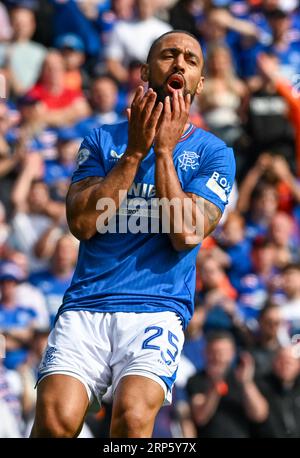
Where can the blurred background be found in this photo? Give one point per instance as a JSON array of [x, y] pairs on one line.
[[69, 66]]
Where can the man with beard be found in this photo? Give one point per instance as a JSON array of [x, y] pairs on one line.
[[122, 319]]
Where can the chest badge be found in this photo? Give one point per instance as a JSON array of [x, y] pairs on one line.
[[188, 159]]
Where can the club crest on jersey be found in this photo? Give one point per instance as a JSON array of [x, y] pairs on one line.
[[188, 159], [48, 356], [82, 156]]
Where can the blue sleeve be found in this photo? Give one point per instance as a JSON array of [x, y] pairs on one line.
[[215, 177], [89, 159]]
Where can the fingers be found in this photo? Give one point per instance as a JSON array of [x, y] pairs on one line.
[[167, 106], [175, 105], [155, 116], [188, 101], [181, 102], [147, 104], [138, 96]]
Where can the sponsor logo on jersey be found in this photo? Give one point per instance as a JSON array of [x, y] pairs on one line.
[[115, 155], [219, 185]]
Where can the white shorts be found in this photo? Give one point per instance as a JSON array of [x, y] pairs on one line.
[[100, 348]]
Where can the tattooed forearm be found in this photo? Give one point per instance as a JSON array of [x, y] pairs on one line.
[[213, 215], [210, 212]]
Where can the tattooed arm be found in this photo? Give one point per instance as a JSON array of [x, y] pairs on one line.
[[83, 196], [191, 218]]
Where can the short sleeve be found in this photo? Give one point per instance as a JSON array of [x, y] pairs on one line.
[[215, 177], [89, 159]]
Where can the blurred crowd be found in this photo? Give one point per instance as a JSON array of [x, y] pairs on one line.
[[68, 66]]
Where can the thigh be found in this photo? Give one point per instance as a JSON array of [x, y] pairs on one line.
[[62, 402], [137, 401]]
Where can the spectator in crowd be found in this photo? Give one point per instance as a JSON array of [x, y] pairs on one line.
[[28, 372], [263, 207], [54, 282], [82, 18], [104, 97], [225, 401], [186, 15], [192, 360], [10, 402], [268, 125], [286, 90], [223, 96], [237, 249], [281, 234], [5, 26], [283, 43], [71, 47], [33, 134], [58, 172], [254, 288], [219, 299], [16, 322], [26, 294], [219, 26], [131, 40], [268, 338], [22, 57], [35, 211], [290, 303], [59, 105], [281, 391], [272, 169], [10, 155]]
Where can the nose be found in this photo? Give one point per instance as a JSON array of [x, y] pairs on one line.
[[179, 64]]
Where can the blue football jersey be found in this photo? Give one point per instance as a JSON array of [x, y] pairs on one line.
[[123, 271]]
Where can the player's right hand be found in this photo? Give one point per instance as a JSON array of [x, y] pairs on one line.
[[143, 119]]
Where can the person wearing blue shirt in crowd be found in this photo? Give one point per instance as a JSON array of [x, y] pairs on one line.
[[58, 171], [104, 98], [237, 248], [54, 282], [277, 37], [85, 20], [16, 322], [131, 297]]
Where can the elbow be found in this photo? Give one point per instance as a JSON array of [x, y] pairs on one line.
[[183, 242], [80, 230]]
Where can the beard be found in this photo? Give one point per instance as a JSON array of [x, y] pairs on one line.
[[162, 91]]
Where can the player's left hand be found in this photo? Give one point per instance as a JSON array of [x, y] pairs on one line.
[[172, 123]]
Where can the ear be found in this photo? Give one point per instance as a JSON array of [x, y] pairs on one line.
[[200, 85], [145, 72]]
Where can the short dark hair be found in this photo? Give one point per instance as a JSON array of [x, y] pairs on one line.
[[155, 42], [213, 336], [291, 266], [269, 305]]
